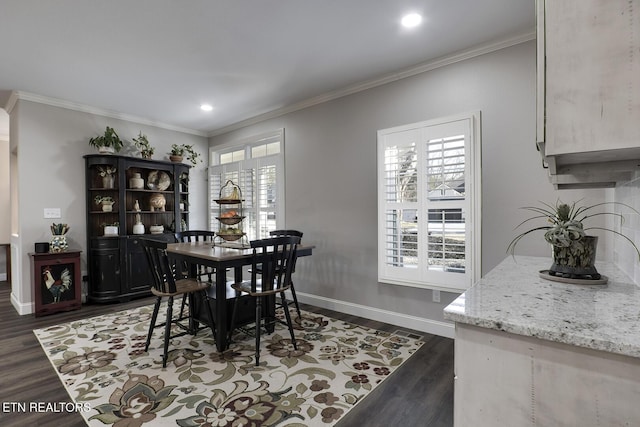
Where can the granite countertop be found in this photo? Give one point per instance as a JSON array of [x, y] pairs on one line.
[[513, 298]]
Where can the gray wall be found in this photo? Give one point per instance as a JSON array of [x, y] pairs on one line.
[[50, 174], [330, 160]]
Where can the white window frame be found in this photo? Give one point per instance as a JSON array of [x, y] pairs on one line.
[[248, 162], [421, 277]]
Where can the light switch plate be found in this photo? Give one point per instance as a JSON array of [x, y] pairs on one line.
[[52, 212]]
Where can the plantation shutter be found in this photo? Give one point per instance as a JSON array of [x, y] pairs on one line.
[[260, 186], [424, 204]]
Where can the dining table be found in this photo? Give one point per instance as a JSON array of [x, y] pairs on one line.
[[223, 258]]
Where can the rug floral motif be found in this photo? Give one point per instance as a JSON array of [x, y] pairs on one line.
[[102, 363]]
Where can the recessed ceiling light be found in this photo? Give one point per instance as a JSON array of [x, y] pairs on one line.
[[411, 20], [206, 107]]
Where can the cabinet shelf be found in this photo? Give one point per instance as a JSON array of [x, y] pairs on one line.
[[142, 190], [103, 212], [150, 212]]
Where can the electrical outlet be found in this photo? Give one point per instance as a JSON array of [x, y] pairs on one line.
[[52, 213], [436, 295]]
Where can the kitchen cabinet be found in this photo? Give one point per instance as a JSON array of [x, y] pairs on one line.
[[535, 352], [589, 91]]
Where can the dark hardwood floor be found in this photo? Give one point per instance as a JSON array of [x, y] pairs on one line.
[[418, 394]]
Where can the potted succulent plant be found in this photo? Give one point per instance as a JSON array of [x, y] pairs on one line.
[[143, 145], [108, 143], [573, 250], [179, 151]]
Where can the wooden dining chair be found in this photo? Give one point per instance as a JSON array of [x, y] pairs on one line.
[[271, 267], [202, 272], [278, 233], [167, 284]]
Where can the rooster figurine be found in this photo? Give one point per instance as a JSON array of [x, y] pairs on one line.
[[57, 287]]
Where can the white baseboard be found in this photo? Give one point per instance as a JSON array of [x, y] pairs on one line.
[[430, 326], [3, 277], [21, 308]]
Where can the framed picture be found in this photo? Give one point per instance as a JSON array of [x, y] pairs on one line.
[[56, 281]]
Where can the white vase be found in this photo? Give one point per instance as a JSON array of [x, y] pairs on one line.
[[136, 181], [107, 207], [58, 243], [138, 228]]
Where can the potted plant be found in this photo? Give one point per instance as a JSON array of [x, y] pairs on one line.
[[106, 202], [178, 152], [107, 173], [143, 145], [574, 251], [108, 143], [111, 229]]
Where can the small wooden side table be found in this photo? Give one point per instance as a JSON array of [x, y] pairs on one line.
[[57, 283]]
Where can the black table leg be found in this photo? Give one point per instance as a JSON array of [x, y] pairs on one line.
[[221, 309]]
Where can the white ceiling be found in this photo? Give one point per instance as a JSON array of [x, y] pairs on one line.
[[160, 59]]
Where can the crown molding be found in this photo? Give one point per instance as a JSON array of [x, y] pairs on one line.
[[83, 108], [11, 102], [379, 81]]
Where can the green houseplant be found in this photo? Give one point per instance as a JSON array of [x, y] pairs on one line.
[[107, 202], [573, 250], [108, 142], [143, 145], [179, 151]]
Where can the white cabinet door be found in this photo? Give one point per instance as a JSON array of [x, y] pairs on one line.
[[503, 379], [592, 75]]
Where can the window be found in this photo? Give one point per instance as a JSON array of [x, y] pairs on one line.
[[429, 203], [256, 165]]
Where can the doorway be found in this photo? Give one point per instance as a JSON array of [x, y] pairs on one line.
[[5, 197]]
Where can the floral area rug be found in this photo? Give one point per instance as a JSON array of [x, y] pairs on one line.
[[103, 365]]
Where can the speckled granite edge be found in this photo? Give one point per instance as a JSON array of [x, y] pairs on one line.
[[513, 298]]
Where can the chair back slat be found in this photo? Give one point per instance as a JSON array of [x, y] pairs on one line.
[[279, 233], [162, 269], [195, 236], [272, 262], [288, 232]]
